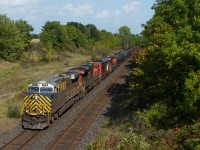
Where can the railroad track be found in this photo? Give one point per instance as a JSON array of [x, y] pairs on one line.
[[78, 126], [22, 141], [72, 134]]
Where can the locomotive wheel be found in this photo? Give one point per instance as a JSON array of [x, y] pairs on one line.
[[55, 116], [84, 91], [52, 119], [99, 80], [78, 98]]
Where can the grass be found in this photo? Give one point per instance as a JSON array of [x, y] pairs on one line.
[[35, 40], [16, 76]]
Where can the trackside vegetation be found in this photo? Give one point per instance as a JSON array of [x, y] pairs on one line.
[[163, 102]]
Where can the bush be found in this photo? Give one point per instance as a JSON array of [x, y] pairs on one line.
[[130, 141], [134, 142], [187, 137], [156, 116], [47, 56], [14, 111]]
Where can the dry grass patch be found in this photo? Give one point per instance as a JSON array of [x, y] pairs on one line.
[[35, 40]]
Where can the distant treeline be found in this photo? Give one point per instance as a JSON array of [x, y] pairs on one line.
[[15, 37]]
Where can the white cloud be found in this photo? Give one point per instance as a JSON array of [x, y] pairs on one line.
[[80, 10], [69, 9], [103, 14], [18, 6], [131, 7], [18, 2], [25, 9], [117, 12]]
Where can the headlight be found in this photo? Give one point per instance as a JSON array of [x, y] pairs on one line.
[[36, 98], [40, 111], [27, 111]]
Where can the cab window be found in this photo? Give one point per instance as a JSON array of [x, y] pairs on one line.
[[33, 89], [46, 90]]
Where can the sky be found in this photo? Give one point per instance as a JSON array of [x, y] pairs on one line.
[[109, 15]]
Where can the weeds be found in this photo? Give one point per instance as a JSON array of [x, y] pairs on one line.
[[14, 111]]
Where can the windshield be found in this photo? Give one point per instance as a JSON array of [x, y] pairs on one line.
[[46, 90], [33, 89]]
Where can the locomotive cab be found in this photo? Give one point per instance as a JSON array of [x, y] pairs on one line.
[[49, 98], [37, 104]]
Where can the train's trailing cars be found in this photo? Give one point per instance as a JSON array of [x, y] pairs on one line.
[[89, 79], [47, 99]]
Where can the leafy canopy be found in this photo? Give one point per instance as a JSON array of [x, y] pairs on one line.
[[169, 68]]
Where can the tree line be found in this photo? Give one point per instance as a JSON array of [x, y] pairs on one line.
[[15, 37], [166, 83]]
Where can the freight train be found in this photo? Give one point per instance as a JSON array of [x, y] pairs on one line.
[[49, 98]]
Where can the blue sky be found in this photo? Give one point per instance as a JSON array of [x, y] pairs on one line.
[[104, 14]]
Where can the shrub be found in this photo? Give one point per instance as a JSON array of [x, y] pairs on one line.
[[187, 137], [134, 142], [130, 141], [14, 111], [47, 56], [156, 116]]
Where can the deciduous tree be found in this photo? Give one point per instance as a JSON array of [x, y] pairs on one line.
[[11, 43], [169, 68], [25, 31]]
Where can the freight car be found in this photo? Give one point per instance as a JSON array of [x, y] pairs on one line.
[[105, 70], [47, 99], [113, 61], [90, 73]]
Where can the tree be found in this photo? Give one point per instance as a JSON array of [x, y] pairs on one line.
[[124, 31], [25, 30], [125, 34], [169, 68], [93, 31], [72, 32], [55, 36], [11, 43]]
